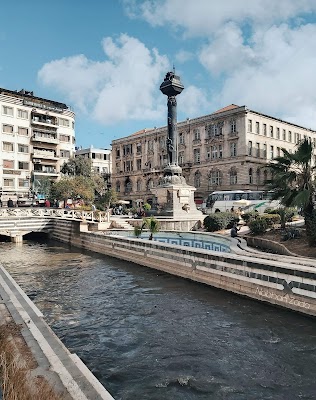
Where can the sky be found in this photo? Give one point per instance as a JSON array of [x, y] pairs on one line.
[[107, 58]]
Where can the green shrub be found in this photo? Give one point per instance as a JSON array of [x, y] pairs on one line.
[[218, 221], [271, 219], [249, 216], [258, 225], [290, 233]]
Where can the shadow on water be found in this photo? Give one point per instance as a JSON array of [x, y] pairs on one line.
[[148, 335]]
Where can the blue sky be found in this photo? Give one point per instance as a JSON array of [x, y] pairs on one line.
[[107, 58]]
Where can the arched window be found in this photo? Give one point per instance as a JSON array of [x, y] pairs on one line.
[[258, 176], [150, 184], [265, 175], [233, 176], [250, 176], [214, 179], [128, 186], [118, 186], [139, 185], [197, 179]]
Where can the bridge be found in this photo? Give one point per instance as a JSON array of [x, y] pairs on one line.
[[17, 222]]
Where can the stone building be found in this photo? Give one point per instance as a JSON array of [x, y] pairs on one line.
[[37, 137], [225, 150]]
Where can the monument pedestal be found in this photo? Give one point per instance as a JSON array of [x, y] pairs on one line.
[[176, 200]]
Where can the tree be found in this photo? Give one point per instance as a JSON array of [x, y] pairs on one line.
[[108, 198], [74, 188], [293, 182], [77, 166]]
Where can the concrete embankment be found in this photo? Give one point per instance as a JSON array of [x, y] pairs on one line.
[[64, 372], [277, 280]]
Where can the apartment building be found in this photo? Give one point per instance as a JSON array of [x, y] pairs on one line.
[[37, 137], [101, 160], [225, 150]]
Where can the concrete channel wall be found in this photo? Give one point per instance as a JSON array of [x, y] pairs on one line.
[[277, 282]]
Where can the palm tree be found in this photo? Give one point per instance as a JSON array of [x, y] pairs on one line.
[[293, 181], [153, 225]]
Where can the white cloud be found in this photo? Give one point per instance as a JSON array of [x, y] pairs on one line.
[[192, 101], [125, 86], [183, 56], [262, 53]]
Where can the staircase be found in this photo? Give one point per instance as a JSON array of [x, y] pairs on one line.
[[121, 223]]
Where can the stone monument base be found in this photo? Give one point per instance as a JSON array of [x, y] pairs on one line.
[[177, 201]]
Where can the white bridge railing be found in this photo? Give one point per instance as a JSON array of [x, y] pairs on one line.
[[64, 213]]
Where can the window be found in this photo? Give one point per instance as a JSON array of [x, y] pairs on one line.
[[233, 176], [64, 153], [117, 153], [23, 165], [250, 148], [284, 134], [220, 151], [233, 128], [118, 186], [196, 134], [271, 131], [214, 152], [197, 179], [271, 152], [7, 128], [22, 148], [233, 149], [138, 164], [23, 131], [23, 114], [278, 133], [278, 152], [208, 153], [8, 182], [258, 173], [150, 145], [64, 138], [6, 146], [8, 164], [7, 111], [290, 136], [265, 129], [181, 158], [138, 148], [215, 178], [265, 151], [64, 122], [139, 185], [258, 149], [250, 176], [196, 155], [24, 183], [249, 125], [257, 128]]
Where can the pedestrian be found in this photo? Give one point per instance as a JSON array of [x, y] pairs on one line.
[[10, 203], [47, 203], [232, 209], [234, 230]]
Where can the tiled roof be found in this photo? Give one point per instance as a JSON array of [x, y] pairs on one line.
[[227, 108]]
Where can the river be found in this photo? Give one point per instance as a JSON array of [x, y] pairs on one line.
[[147, 335]]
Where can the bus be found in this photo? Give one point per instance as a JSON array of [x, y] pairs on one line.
[[242, 200]]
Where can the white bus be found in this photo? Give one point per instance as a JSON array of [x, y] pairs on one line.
[[242, 200]]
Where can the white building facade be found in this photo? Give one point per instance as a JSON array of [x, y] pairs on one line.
[[225, 150], [37, 137], [101, 160]]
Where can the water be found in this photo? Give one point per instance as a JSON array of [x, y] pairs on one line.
[[150, 336]]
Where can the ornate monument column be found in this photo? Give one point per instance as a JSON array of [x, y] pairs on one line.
[[175, 198]]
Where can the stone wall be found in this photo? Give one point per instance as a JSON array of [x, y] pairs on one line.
[[276, 282]]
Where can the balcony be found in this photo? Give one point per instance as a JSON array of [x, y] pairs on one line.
[[46, 154], [44, 119], [46, 172], [46, 138]]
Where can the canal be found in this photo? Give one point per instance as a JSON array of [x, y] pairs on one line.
[[149, 336]]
